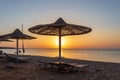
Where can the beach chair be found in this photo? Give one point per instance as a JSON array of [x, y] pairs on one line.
[[62, 67], [15, 59], [73, 67], [10, 58]]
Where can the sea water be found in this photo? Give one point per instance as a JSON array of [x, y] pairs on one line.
[[103, 55]]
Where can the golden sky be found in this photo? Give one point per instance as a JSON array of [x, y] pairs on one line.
[[102, 16]]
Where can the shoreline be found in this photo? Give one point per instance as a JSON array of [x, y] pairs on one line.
[[95, 55], [63, 58]]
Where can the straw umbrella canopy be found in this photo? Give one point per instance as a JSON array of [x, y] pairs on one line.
[[60, 28], [3, 39], [17, 34], [6, 40]]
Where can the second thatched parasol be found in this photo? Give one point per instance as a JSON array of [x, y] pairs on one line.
[[17, 34]]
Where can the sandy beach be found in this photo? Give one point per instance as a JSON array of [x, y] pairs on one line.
[[31, 71]]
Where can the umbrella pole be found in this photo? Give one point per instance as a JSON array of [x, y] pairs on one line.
[[60, 45], [17, 47]]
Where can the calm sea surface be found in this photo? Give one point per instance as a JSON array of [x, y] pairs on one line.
[[104, 55]]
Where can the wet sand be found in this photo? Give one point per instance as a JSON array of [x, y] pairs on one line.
[[31, 71]]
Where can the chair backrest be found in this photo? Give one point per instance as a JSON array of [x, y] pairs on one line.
[[6, 55], [9, 57]]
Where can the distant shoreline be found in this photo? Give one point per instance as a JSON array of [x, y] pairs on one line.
[[65, 48]]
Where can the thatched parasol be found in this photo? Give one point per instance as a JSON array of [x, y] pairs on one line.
[[17, 34], [60, 28], [6, 40]]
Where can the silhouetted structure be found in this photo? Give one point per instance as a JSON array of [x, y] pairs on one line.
[[17, 34], [60, 28]]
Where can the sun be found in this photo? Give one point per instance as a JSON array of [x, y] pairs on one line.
[[62, 42]]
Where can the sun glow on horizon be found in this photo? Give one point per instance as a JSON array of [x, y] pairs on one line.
[[63, 42]]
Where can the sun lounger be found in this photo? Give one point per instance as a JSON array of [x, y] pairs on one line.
[[63, 67], [15, 59]]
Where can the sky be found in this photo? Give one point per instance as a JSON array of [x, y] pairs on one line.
[[103, 16]]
